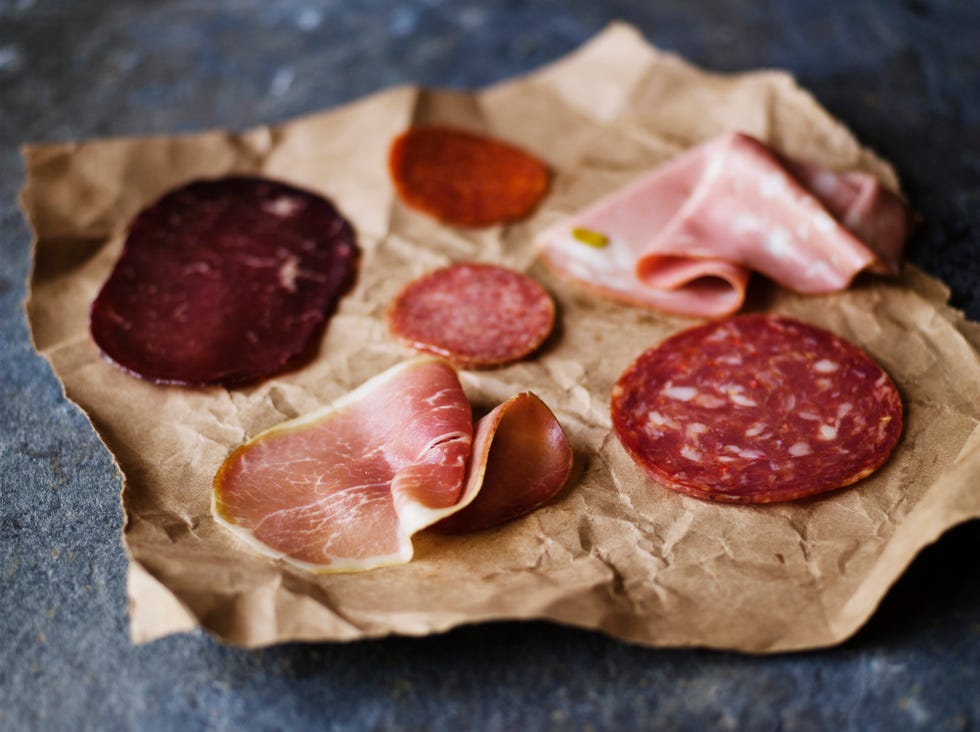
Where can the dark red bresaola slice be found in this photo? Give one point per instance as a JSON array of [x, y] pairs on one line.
[[756, 409], [223, 282]]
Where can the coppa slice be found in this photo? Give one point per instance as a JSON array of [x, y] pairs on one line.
[[223, 281], [476, 315], [756, 409], [521, 459], [464, 179], [684, 237], [344, 488]]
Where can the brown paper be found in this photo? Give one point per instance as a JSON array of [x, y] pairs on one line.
[[615, 551]]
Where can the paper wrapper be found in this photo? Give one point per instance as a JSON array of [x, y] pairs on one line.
[[615, 551]]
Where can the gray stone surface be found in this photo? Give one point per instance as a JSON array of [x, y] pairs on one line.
[[904, 75]]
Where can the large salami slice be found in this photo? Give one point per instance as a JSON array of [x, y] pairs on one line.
[[475, 315], [465, 179], [756, 409], [223, 281]]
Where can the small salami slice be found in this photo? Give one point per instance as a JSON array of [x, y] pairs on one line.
[[756, 409], [475, 315], [463, 179], [223, 282]]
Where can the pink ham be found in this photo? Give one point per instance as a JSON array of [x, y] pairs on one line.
[[345, 488], [684, 237]]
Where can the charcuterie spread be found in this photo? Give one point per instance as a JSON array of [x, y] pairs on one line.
[[756, 409], [223, 281], [476, 315], [726, 473], [464, 179], [344, 489], [685, 237]]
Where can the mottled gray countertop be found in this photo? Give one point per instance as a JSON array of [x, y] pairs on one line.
[[904, 75]]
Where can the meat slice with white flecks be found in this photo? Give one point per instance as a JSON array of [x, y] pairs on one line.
[[800, 411]]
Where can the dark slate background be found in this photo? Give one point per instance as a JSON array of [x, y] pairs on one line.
[[904, 75]]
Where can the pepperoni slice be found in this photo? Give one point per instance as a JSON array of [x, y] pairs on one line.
[[475, 315], [756, 409], [223, 281], [463, 179]]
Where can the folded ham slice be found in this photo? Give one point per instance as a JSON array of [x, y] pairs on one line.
[[684, 237], [345, 488]]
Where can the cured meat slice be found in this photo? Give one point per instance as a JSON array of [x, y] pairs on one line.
[[464, 179], [476, 315], [344, 488], [223, 281], [749, 209], [521, 459], [684, 237], [756, 409]]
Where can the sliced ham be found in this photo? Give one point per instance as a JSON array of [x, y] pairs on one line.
[[344, 489], [685, 237]]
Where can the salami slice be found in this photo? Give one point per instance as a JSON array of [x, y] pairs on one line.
[[223, 281], [463, 179], [475, 315], [756, 409]]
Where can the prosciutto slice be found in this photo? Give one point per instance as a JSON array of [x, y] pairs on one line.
[[344, 489], [685, 237]]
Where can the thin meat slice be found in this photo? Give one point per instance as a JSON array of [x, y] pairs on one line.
[[521, 459], [224, 281], [464, 179], [476, 315], [685, 237], [345, 488], [756, 409], [748, 208]]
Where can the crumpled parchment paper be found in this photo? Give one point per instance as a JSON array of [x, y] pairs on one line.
[[615, 551]]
